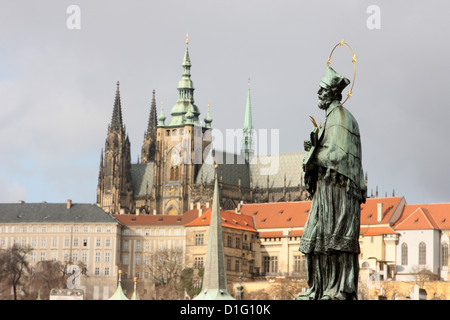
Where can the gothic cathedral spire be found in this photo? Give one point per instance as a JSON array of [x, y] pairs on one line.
[[116, 121], [149, 147], [114, 190]]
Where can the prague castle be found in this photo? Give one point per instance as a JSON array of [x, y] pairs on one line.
[[175, 169]]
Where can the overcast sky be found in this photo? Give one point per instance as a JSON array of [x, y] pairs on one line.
[[57, 85]]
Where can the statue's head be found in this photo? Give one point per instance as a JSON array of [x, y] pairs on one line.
[[331, 86]]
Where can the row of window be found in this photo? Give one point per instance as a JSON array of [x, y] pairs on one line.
[[83, 242], [270, 264], [147, 245], [423, 254], [66, 229], [139, 259], [181, 132], [237, 243], [76, 256], [152, 232]]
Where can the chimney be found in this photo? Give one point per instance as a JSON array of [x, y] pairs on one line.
[[200, 212], [137, 212], [379, 211], [191, 206], [154, 212], [122, 211], [69, 204], [207, 205], [198, 206]]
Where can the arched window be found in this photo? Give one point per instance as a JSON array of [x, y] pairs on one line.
[[445, 254], [404, 254], [174, 173], [422, 254]]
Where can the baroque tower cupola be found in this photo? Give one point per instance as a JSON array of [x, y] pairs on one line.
[[185, 105]]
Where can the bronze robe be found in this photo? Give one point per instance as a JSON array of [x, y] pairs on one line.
[[330, 237]]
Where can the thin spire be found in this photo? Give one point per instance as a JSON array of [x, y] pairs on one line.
[[214, 277], [247, 130], [149, 147], [248, 111], [116, 121], [100, 174], [152, 120]]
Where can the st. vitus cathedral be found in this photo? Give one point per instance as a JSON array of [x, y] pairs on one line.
[[176, 166]]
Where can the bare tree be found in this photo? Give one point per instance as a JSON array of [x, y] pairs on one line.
[[14, 266], [165, 267], [47, 275], [423, 274]]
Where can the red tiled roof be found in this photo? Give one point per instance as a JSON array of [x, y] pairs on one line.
[[439, 211], [278, 214], [294, 214], [376, 231], [271, 234], [230, 219], [417, 217], [296, 233], [369, 209], [150, 219], [280, 234]]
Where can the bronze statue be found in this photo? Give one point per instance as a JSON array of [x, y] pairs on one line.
[[335, 179]]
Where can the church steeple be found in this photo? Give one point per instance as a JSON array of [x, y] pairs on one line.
[[215, 276], [116, 121], [114, 190], [149, 146], [186, 89], [247, 148]]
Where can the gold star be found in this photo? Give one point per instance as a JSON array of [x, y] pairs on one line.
[[342, 42], [354, 58], [187, 38], [349, 93], [329, 61]]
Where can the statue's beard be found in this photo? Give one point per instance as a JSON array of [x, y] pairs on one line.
[[324, 103]]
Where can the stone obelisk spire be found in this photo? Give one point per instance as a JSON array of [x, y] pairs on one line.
[[215, 277]]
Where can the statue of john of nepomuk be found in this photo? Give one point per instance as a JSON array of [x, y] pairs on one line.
[[334, 178]]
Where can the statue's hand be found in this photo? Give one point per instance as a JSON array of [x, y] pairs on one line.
[[307, 145]]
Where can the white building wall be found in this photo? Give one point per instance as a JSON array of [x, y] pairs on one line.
[[413, 238], [444, 269]]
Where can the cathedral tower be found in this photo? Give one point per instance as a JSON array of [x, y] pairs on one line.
[[114, 190], [179, 148]]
